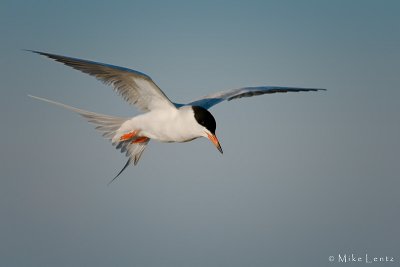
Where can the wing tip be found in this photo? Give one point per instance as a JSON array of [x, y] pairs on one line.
[[34, 51]]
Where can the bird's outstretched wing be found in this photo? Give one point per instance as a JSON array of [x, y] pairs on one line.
[[135, 87], [211, 100]]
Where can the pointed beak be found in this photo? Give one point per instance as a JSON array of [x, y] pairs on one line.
[[215, 141]]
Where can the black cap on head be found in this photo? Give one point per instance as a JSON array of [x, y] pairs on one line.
[[204, 118]]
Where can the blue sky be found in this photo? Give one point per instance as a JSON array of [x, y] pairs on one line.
[[304, 176]]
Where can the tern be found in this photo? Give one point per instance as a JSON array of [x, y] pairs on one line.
[[162, 119]]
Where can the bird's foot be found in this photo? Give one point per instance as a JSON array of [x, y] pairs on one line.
[[141, 139], [128, 136]]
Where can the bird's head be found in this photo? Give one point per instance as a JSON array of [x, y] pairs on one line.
[[207, 124]]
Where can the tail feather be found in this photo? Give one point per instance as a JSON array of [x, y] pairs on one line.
[[133, 151], [105, 124], [108, 127], [126, 165]]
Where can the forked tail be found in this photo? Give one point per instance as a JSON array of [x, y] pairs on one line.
[[108, 127]]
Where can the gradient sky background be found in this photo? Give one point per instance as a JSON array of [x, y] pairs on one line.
[[304, 175]]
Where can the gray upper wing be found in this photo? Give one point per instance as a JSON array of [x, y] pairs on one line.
[[135, 87], [211, 100]]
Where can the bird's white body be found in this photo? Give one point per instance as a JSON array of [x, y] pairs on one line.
[[171, 125], [162, 120]]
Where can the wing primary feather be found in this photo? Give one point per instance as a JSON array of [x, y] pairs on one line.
[[216, 98], [135, 87]]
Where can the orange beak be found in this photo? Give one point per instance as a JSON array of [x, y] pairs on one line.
[[215, 141]]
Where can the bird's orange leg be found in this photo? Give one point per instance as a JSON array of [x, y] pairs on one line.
[[141, 139], [128, 136]]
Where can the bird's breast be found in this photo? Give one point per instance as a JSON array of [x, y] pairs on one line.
[[168, 126]]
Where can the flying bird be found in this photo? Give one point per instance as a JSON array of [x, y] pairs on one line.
[[162, 119]]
